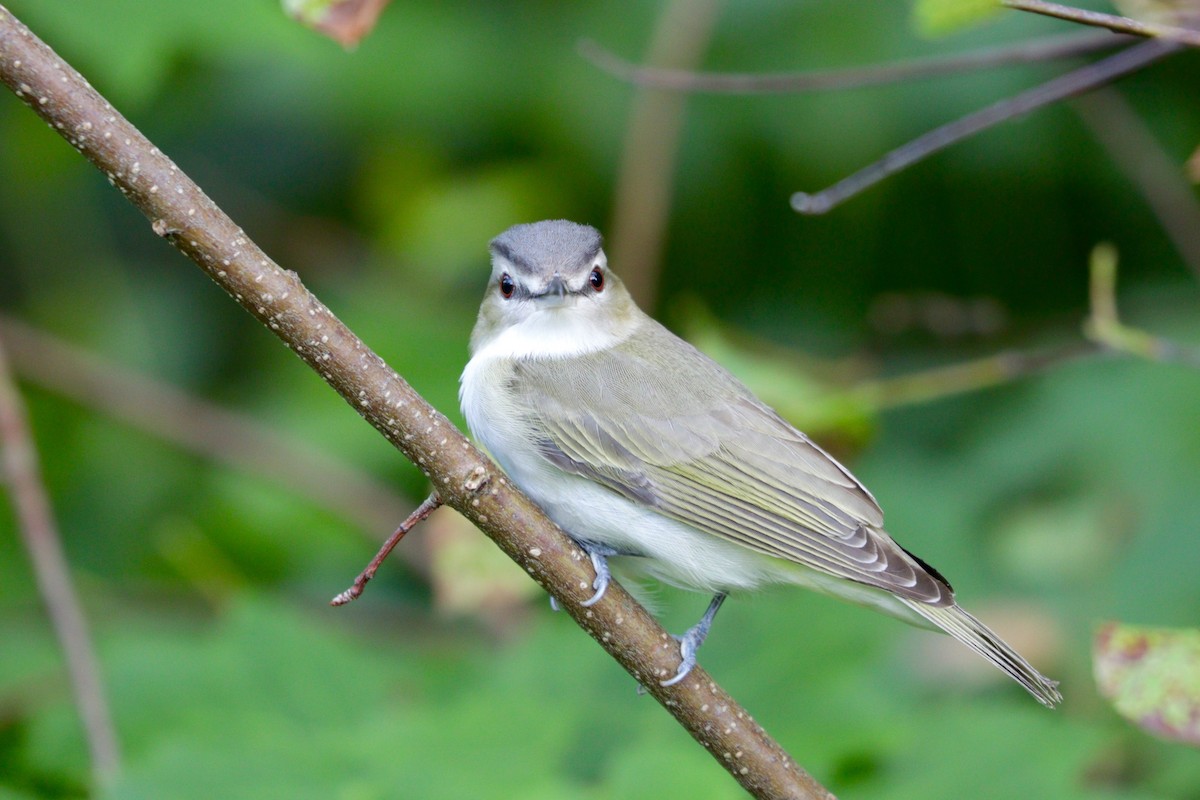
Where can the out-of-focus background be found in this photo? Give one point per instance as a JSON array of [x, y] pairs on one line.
[[213, 493]]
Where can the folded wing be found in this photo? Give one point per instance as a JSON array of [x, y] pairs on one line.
[[716, 459]]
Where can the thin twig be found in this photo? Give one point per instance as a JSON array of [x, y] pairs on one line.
[[1159, 178], [225, 436], [466, 479], [969, 376], [1060, 88], [646, 174], [1112, 22], [427, 507], [40, 535], [1104, 325], [680, 80]]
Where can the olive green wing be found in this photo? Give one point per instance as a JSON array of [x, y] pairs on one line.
[[714, 457]]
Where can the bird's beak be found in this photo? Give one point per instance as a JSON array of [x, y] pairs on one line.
[[556, 292]]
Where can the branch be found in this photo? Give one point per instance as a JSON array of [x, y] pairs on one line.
[[1081, 80], [1153, 30], [427, 507], [1136, 152], [463, 477], [681, 80], [217, 433], [969, 376], [1104, 325], [19, 469], [645, 178]]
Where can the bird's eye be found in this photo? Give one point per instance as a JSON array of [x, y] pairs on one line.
[[506, 286], [596, 279]]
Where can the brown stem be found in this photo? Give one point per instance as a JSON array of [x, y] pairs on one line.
[[642, 199], [969, 376], [1103, 324], [1083, 79], [430, 504], [19, 469], [463, 477], [1114, 23], [681, 80], [1147, 165], [220, 434]]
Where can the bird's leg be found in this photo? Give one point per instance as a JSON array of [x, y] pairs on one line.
[[690, 642], [599, 554]]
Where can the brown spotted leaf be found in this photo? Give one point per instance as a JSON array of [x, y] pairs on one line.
[[1152, 677], [344, 21]]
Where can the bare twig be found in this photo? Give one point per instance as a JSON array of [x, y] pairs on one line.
[[467, 481], [681, 80], [427, 507], [1141, 157], [1060, 88], [642, 200], [1183, 36], [1104, 325], [39, 532], [969, 376], [225, 436]]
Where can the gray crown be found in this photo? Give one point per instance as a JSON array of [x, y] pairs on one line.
[[542, 248]]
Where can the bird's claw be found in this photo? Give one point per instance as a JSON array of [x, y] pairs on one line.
[[603, 575], [689, 644]]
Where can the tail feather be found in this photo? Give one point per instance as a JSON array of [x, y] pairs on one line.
[[980, 638]]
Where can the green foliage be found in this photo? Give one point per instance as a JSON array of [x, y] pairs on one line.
[[379, 175]]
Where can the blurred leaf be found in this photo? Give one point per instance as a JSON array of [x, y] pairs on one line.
[[942, 17], [470, 575], [1152, 677], [439, 222], [1051, 540], [344, 21]]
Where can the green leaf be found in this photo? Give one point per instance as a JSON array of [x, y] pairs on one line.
[[942, 17]]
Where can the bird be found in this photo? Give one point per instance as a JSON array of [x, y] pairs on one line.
[[647, 452]]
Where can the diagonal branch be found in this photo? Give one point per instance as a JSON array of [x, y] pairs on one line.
[[464, 478], [1136, 152], [682, 80], [217, 433], [1071, 84], [1114, 23], [19, 470]]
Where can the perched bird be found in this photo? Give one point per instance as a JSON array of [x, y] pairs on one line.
[[643, 449]]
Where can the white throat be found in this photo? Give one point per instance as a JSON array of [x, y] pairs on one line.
[[563, 332]]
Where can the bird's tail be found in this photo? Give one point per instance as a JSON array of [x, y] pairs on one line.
[[979, 637]]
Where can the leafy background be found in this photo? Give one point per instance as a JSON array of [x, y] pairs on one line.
[[1053, 502]]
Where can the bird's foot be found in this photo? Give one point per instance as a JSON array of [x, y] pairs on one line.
[[690, 641]]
